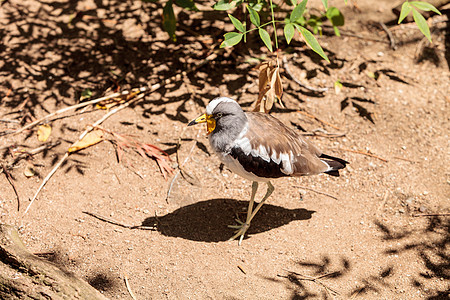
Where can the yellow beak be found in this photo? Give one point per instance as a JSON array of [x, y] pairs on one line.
[[210, 122]]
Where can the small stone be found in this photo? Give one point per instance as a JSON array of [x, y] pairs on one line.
[[409, 201], [422, 209], [401, 210]]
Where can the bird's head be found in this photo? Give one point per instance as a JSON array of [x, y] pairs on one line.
[[217, 112]]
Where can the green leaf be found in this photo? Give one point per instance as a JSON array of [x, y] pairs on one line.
[[223, 5], [266, 38], [231, 39], [425, 6], [85, 94], [289, 32], [311, 41], [256, 6], [325, 3], [169, 20], [254, 17], [422, 24], [298, 11], [237, 24], [186, 4], [406, 9], [335, 16], [336, 31]]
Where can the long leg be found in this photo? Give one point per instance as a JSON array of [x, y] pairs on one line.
[[251, 214]]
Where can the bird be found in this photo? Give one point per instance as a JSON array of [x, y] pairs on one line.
[[260, 148]]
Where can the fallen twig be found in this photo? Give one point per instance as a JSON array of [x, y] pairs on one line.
[[432, 215], [110, 113], [288, 70], [180, 166], [323, 133], [241, 269], [405, 159], [89, 129], [114, 222], [313, 279], [82, 104], [316, 191], [129, 288], [317, 119], [8, 177], [34, 151], [390, 35], [365, 153]]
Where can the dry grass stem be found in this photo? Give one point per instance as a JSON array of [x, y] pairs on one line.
[[365, 153], [309, 115], [129, 288], [8, 177], [316, 191]]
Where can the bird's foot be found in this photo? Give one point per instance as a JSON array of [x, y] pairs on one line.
[[240, 232]]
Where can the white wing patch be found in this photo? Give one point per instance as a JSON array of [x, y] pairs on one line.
[[287, 161]]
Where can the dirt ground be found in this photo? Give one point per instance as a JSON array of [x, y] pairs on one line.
[[384, 234]]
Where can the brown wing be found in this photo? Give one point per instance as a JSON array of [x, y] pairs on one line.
[[281, 141]]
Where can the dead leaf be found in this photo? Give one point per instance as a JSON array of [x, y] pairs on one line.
[[270, 86], [92, 138], [44, 132], [29, 170]]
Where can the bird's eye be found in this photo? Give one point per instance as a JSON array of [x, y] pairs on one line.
[[219, 115]]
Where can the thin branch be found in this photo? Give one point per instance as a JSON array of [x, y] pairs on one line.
[[127, 284], [114, 222], [313, 279], [316, 191], [180, 166], [317, 119], [8, 177], [365, 153], [89, 129], [432, 215], [288, 70], [405, 159], [82, 104], [113, 111], [34, 151], [390, 35]]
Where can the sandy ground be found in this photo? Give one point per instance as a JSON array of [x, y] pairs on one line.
[[371, 240]]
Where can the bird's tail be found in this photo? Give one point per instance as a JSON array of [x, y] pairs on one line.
[[334, 164]]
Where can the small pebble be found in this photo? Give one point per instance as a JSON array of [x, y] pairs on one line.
[[401, 210], [422, 209]]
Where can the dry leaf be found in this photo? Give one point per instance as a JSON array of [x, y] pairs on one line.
[[107, 104], [270, 86], [44, 132], [29, 170], [92, 138]]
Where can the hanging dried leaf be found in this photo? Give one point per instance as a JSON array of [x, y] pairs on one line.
[[278, 85], [29, 170], [44, 132], [270, 86], [92, 138]]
